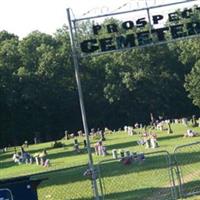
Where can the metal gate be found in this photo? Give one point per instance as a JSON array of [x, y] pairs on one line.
[[150, 178], [187, 160]]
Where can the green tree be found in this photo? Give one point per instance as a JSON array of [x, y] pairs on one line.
[[192, 84], [9, 62]]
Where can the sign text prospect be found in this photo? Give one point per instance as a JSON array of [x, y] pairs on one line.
[[140, 32]]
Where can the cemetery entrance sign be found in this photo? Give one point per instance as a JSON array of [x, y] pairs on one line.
[[150, 25], [180, 24]]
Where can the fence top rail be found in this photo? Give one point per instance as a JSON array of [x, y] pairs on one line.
[[185, 145], [133, 10]]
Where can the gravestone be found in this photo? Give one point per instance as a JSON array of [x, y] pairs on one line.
[[184, 121], [67, 135]]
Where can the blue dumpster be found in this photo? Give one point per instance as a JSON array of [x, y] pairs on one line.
[[22, 188]]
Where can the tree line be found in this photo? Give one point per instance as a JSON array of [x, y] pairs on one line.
[[38, 92]]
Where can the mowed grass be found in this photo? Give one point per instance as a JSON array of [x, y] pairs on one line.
[[147, 180]]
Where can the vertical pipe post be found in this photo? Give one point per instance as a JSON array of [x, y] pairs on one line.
[[81, 101], [149, 17], [148, 13]]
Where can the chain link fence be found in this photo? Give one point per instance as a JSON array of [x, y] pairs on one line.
[[65, 184], [146, 177], [187, 159], [150, 176]]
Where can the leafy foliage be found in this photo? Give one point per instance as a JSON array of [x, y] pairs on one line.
[[38, 95]]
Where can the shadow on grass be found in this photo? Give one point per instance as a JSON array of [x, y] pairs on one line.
[[63, 176], [5, 156], [7, 164], [65, 154], [169, 137], [140, 194], [158, 193], [122, 145], [191, 188]]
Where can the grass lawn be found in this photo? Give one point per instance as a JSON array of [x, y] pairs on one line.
[[147, 180]]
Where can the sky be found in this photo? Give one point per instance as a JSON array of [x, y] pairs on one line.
[[24, 16], [21, 17]]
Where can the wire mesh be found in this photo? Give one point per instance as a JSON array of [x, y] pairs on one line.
[[188, 161], [65, 184], [148, 179]]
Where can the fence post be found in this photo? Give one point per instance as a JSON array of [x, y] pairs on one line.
[[178, 174]]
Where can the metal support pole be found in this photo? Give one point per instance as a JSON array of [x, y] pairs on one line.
[[148, 12], [83, 114], [149, 17]]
